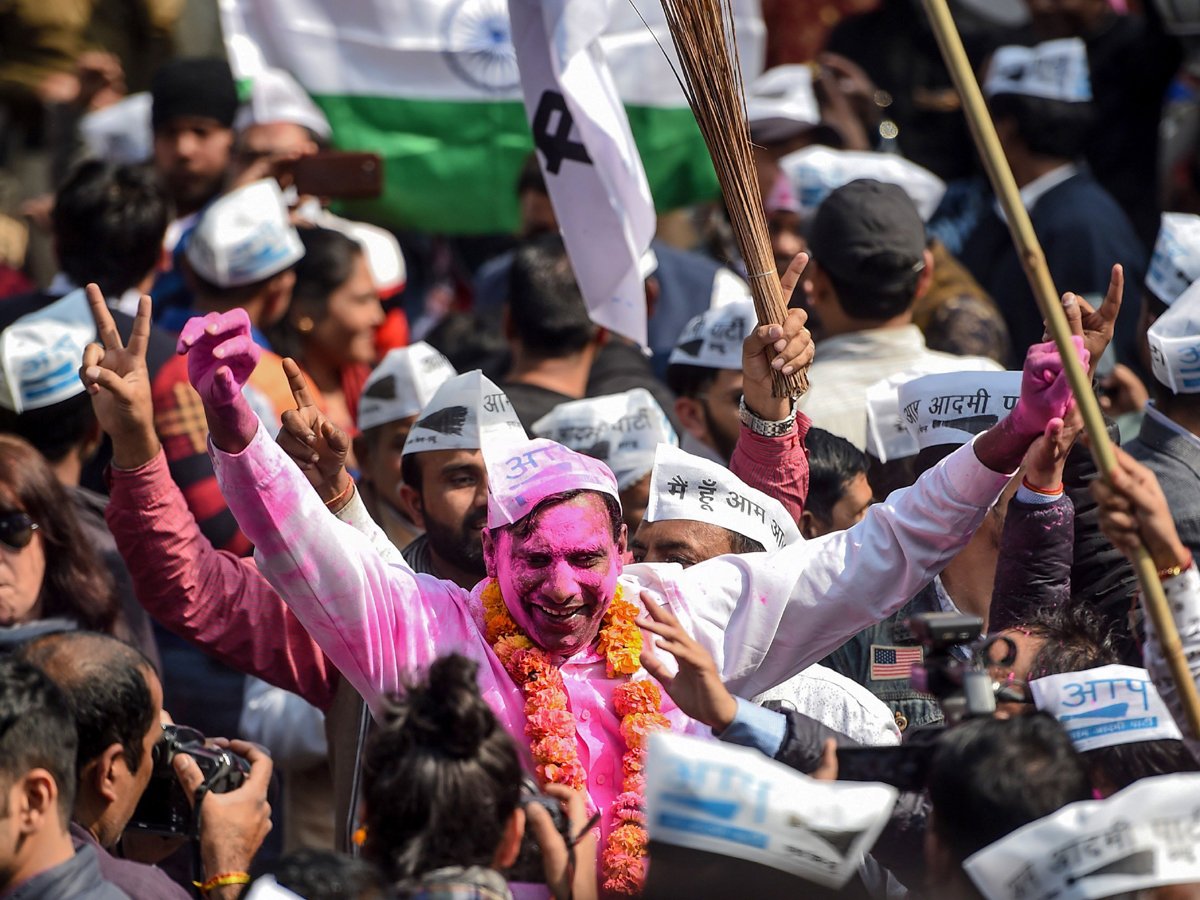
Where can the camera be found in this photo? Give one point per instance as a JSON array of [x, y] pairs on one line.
[[529, 866], [962, 685], [164, 808]]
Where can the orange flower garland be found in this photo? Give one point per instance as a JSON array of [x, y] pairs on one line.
[[550, 724]]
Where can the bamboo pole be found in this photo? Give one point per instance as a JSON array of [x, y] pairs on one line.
[[1034, 262]]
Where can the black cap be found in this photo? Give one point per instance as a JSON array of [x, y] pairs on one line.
[[194, 87], [868, 233]]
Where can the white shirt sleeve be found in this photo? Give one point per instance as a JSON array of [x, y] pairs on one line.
[[356, 516], [290, 728], [767, 616], [1183, 598]]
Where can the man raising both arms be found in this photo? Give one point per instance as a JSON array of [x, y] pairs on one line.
[[553, 626]]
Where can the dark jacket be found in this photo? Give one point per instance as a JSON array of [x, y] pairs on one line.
[[138, 880], [1175, 460], [79, 878], [1035, 573], [912, 708], [1083, 232]]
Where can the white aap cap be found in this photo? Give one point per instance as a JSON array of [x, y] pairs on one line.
[[267, 888], [1139, 838], [1175, 263], [888, 436], [384, 257], [621, 430], [121, 133], [244, 236], [40, 354], [1053, 70], [780, 103], [683, 486], [275, 96], [402, 384], [1174, 341], [713, 339], [728, 288], [953, 407], [816, 171], [522, 475], [468, 412], [1106, 706], [735, 802]]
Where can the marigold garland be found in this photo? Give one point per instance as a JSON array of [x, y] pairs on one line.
[[550, 724]]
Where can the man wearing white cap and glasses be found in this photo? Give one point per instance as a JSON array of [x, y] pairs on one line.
[[1041, 100], [622, 431], [551, 625], [393, 396]]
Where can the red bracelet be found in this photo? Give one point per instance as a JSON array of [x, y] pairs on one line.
[[1037, 490], [342, 495], [1173, 571]]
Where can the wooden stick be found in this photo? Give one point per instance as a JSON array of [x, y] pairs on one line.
[[1030, 252]]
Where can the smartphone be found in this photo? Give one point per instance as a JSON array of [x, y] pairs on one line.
[[347, 176], [905, 767]]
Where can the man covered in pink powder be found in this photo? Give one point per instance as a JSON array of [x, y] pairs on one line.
[[553, 626]]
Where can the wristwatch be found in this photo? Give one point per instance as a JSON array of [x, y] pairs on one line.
[[763, 426]]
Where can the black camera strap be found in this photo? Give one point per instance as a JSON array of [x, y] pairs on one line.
[[194, 833]]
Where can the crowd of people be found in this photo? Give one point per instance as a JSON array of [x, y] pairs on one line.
[[336, 563]]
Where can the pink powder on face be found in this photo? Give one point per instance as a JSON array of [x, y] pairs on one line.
[[568, 565]]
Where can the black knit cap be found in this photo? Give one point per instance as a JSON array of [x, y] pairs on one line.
[[868, 233], [194, 87]]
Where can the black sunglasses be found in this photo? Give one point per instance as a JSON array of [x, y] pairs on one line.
[[16, 530]]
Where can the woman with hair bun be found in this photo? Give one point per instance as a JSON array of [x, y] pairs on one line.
[[443, 812]]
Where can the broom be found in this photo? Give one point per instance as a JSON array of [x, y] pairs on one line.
[[704, 38]]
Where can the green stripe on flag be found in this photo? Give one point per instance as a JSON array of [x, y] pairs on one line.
[[452, 167]]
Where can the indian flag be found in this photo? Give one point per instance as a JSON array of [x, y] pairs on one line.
[[432, 86]]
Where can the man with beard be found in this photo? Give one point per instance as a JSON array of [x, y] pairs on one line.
[[555, 625], [705, 372], [223, 605], [195, 101]]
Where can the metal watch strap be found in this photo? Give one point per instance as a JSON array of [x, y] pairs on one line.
[[763, 426]]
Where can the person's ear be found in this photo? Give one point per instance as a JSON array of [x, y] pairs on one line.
[[510, 841], [362, 452], [690, 413], [602, 337], [809, 528], [506, 325], [106, 772], [623, 541], [926, 277], [279, 296], [489, 552], [92, 439], [411, 505], [36, 802], [653, 292]]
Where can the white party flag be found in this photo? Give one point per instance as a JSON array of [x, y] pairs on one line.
[[587, 154]]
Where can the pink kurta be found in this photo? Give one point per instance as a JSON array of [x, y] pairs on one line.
[[763, 616]]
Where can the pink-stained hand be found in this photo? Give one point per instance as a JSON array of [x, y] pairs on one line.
[[1045, 392], [221, 357], [1045, 395]]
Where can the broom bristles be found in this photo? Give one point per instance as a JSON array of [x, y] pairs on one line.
[[706, 41]]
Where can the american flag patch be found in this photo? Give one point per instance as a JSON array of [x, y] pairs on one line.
[[893, 663]]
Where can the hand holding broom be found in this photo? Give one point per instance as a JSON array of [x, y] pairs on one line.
[[704, 37]]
